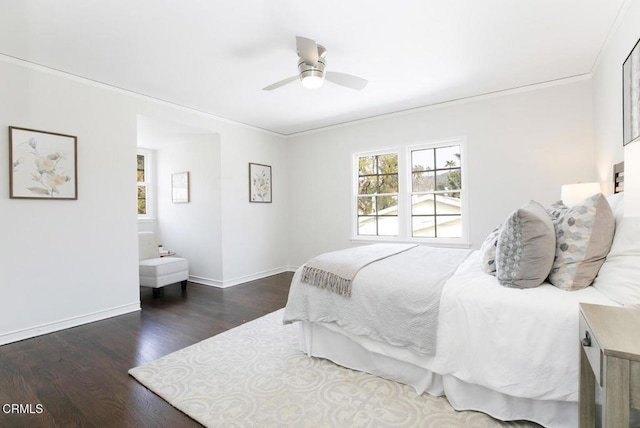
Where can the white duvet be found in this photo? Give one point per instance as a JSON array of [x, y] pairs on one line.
[[394, 300], [518, 342], [522, 343]]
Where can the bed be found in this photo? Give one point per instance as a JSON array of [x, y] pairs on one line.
[[509, 351]]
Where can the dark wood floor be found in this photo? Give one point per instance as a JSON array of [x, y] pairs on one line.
[[79, 376]]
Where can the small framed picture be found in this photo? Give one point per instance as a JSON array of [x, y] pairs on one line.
[[42, 165], [180, 187], [259, 183], [631, 96]]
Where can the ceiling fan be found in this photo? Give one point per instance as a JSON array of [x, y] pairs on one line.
[[311, 69]]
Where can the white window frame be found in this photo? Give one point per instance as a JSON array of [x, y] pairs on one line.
[[404, 195], [149, 184], [354, 205]]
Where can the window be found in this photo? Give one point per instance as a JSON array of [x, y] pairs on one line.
[[436, 187], [378, 195], [413, 194], [144, 184]]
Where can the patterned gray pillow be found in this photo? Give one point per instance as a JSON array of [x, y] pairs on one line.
[[526, 247], [488, 252], [556, 210], [584, 234]]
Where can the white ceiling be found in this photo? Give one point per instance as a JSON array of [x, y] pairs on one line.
[[216, 56]]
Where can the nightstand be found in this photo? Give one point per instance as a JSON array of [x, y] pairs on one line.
[[610, 357]]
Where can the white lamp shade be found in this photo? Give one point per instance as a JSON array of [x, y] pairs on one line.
[[571, 194]]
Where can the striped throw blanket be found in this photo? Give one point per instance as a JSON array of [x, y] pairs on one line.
[[335, 271]]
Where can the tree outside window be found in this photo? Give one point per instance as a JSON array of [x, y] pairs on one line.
[[378, 195], [142, 186]]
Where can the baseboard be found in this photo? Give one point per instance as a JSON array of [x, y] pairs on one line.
[[51, 327], [239, 280], [206, 281]]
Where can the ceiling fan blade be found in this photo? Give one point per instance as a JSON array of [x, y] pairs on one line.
[[346, 80], [280, 83], [307, 50]]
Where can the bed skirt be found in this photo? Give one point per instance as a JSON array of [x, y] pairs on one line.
[[401, 365]]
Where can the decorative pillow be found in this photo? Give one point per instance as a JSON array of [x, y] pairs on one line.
[[488, 252], [556, 210], [584, 234], [525, 247], [618, 278]]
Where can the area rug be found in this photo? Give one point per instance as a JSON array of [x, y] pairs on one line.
[[254, 376]]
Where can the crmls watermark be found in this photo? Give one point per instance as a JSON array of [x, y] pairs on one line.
[[22, 409]]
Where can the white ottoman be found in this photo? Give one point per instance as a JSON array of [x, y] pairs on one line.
[[160, 271]]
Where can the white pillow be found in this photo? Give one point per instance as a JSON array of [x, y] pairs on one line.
[[619, 276], [616, 202]]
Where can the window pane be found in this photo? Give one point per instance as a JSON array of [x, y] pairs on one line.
[[422, 160], [388, 183], [448, 157], [367, 185], [367, 205], [449, 226], [387, 205], [423, 181], [367, 226], [367, 165], [388, 164], [388, 226], [447, 205], [422, 205], [140, 168], [423, 226], [450, 180], [142, 199]]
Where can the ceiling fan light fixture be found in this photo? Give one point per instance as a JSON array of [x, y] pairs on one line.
[[312, 76], [312, 82], [311, 69]]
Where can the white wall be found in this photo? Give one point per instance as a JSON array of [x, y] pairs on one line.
[[254, 234], [67, 262], [63, 263], [520, 146], [192, 230], [607, 94]]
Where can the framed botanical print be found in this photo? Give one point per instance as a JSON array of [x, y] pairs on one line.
[[43, 165], [259, 183]]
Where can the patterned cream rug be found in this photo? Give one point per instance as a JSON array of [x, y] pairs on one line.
[[254, 376]]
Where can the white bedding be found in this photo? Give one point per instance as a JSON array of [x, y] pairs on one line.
[[522, 343], [411, 280], [518, 343]]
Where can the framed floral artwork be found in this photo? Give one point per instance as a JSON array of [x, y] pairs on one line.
[[42, 165], [259, 183]]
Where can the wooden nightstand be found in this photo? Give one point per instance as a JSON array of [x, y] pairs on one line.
[[610, 356]]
